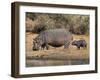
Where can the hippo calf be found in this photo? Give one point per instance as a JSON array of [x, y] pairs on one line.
[[80, 43], [52, 37]]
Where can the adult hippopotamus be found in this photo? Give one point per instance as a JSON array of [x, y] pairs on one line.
[[52, 37], [79, 43]]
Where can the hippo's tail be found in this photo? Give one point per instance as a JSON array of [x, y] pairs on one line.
[[72, 38]]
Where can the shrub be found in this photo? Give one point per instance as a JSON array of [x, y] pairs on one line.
[[77, 24]]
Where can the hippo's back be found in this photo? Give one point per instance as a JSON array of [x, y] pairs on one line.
[[57, 37]]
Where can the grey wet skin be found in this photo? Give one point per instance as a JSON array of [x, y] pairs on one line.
[[79, 43], [54, 38]]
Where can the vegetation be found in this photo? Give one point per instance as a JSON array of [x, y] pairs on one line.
[[37, 22]]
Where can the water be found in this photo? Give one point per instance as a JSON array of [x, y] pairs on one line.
[[46, 62]]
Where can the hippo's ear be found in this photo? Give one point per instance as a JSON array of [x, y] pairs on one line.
[[34, 41]]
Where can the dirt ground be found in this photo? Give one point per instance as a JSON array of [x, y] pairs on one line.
[[72, 53]]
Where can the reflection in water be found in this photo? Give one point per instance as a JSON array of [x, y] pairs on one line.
[[36, 62]]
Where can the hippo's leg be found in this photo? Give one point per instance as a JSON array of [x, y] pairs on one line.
[[85, 46], [66, 45], [78, 47], [47, 46], [43, 47]]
